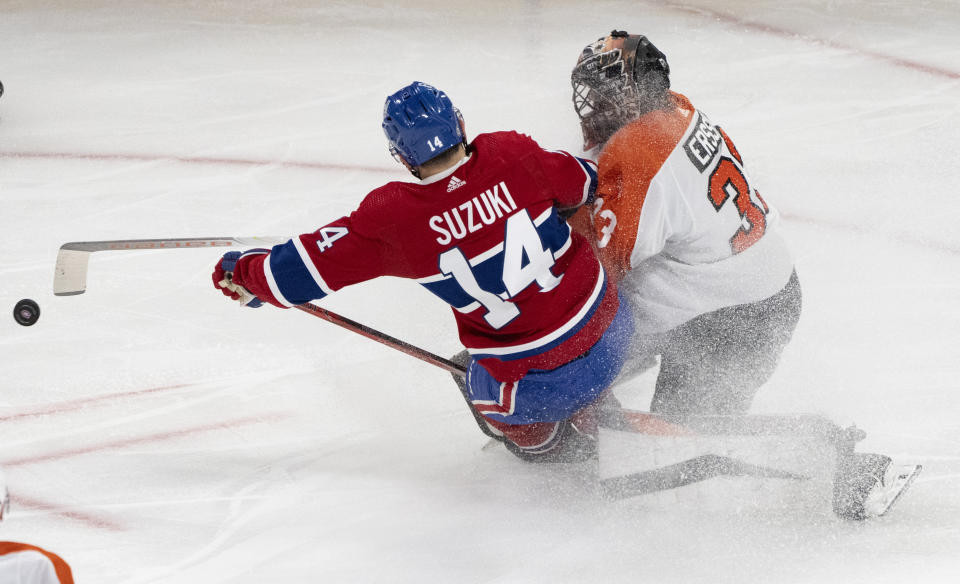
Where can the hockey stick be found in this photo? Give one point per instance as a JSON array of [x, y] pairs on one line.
[[373, 334], [70, 274], [70, 278]]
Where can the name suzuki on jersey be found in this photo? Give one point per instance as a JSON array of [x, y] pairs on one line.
[[473, 215]]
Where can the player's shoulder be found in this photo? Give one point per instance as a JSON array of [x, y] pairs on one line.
[[667, 121], [504, 140], [654, 135], [383, 201], [382, 194], [681, 101]]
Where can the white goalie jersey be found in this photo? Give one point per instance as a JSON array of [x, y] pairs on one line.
[[677, 219]]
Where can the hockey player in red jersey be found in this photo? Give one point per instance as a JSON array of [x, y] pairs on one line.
[[683, 230], [482, 230], [22, 563]]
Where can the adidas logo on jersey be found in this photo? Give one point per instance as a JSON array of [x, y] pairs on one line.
[[455, 183]]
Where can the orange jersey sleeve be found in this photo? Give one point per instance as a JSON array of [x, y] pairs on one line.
[[627, 164]]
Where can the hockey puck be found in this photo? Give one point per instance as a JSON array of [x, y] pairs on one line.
[[26, 312]]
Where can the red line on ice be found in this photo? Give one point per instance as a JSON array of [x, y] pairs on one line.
[[324, 166], [124, 442], [64, 511], [794, 35], [94, 520], [71, 405]]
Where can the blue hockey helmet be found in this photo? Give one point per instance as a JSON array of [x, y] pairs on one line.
[[421, 123]]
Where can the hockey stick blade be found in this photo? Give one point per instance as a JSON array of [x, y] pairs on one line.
[[70, 273]]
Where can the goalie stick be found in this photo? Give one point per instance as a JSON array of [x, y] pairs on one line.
[[687, 472]]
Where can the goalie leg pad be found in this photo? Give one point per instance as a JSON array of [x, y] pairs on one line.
[[762, 450]]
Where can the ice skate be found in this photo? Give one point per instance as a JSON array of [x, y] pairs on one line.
[[868, 485]]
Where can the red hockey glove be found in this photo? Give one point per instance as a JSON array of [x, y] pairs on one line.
[[223, 281]]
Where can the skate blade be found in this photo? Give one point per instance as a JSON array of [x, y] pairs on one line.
[[898, 479], [491, 444]]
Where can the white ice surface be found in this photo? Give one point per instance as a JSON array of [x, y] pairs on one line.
[[153, 432]]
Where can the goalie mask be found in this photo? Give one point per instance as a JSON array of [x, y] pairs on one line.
[[616, 79]]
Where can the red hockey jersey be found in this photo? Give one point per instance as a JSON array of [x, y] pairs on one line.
[[485, 236]]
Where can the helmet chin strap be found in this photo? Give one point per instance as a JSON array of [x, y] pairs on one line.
[[414, 170]]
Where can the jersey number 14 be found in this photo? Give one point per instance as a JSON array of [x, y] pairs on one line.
[[525, 262]]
